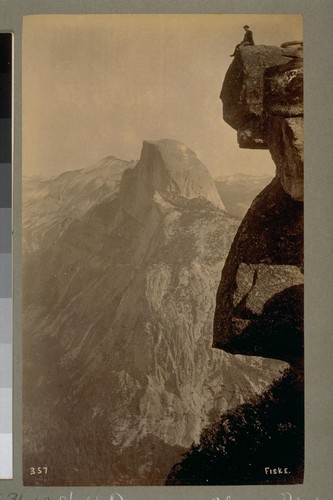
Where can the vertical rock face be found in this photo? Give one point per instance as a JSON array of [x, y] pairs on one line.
[[283, 105], [259, 305], [286, 148]]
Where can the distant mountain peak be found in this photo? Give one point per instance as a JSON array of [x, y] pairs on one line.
[[109, 164], [166, 166], [239, 176], [175, 154]]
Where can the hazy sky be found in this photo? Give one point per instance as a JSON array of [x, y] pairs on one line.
[[95, 86]]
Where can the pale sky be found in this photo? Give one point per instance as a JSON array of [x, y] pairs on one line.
[[95, 86]]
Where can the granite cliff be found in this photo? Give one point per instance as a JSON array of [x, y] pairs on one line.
[[259, 303]]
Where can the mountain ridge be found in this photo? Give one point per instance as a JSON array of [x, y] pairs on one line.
[[125, 306]]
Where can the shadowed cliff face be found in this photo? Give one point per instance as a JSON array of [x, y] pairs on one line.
[[264, 267], [259, 304]]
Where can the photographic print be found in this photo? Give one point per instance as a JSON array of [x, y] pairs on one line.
[[162, 250]]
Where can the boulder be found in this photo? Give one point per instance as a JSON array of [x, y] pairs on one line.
[[262, 97], [243, 90]]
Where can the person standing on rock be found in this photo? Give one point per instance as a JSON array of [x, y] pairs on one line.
[[247, 40]]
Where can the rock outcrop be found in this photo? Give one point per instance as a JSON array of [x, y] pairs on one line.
[[242, 93], [259, 305], [262, 97]]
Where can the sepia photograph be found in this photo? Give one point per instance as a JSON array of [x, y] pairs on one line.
[[162, 250]]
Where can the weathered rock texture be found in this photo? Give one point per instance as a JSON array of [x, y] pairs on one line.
[[242, 93], [259, 306], [283, 106], [262, 97]]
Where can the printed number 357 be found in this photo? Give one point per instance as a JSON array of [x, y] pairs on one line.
[[38, 470]]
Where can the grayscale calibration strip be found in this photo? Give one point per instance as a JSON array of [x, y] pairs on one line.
[[6, 292]]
